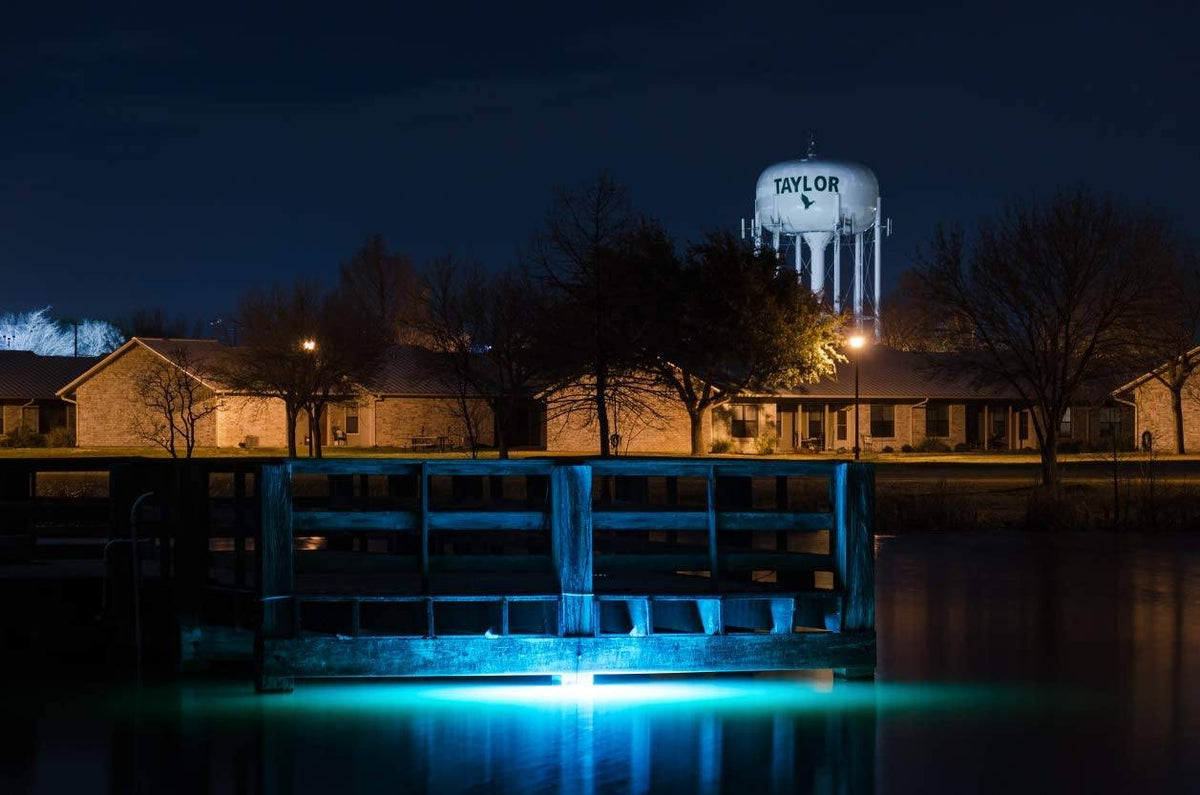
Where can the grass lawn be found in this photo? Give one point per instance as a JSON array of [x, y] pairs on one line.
[[974, 458]]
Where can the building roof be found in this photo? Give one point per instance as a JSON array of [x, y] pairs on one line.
[[886, 373], [410, 370], [28, 376], [1144, 377], [404, 370], [206, 355]]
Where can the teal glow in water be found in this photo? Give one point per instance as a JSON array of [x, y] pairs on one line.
[[1008, 664]]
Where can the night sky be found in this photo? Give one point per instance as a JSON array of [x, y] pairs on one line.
[[157, 158]]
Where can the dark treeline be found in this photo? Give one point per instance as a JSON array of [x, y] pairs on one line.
[[1057, 299], [603, 316]]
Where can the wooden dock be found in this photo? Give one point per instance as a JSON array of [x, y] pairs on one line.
[[448, 567], [713, 603]]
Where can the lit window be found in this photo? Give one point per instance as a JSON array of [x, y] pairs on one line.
[[744, 423], [883, 420]]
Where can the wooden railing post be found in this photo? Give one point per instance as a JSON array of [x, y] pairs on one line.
[[274, 549], [854, 550], [571, 543]]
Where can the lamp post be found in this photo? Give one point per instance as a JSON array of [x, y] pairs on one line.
[[856, 343], [309, 346]]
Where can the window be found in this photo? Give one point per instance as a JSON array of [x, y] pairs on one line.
[[883, 420], [1023, 425], [352, 420], [744, 423], [937, 420], [999, 416], [1064, 424], [841, 424], [1110, 422], [816, 421]]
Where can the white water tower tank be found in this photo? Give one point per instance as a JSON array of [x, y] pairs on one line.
[[803, 206], [814, 194]]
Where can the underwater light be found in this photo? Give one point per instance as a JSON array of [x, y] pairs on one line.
[[575, 680]]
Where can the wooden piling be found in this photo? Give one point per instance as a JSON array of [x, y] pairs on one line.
[[274, 548], [571, 544]]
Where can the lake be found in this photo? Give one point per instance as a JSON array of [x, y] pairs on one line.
[[1008, 663]]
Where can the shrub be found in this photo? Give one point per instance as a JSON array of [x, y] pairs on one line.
[[961, 448], [23, 437], [887, 448], [906, 448], [1069, 446], [60, 437], [722, 446], [928, 445], [766, 443]]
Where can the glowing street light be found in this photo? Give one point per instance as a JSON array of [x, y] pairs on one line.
[[309, 345], [856, 342]]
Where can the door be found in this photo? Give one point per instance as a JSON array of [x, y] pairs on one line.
[[974, 426], [787, 429]]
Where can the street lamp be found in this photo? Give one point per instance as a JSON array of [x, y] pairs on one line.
[[309, 345], [856, 342]]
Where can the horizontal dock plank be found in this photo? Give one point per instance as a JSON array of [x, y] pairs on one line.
[[392, 521], [698, 520], [687, 468], [480, 656], [361, 521], [770, 561]]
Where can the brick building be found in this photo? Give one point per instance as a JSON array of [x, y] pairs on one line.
[[1153, 413], [28, 387], [408, 403]]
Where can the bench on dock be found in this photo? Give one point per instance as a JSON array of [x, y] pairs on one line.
[[604, 578]]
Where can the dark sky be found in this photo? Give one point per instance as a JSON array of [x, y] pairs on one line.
[[164, 158]]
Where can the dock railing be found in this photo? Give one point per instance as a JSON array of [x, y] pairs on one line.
[[623, 566]]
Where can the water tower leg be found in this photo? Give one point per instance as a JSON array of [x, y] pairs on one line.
[[878, 262], [858, 276], [837, 272]]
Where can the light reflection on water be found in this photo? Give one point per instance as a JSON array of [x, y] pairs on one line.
[[1008, 663]]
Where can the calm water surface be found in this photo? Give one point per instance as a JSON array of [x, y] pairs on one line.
[[1008, 663]]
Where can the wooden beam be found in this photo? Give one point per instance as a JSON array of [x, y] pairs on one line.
[[710, 491], [274, 549], [481, 656], [854, 546], [730, 561], [726, 520], [571, 542]]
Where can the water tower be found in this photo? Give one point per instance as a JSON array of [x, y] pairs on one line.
[[802, 206]]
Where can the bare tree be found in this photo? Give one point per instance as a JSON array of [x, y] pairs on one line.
[[37, 331], [1044, 298], [912, 323], [384, 285], [153, 322], [487, 325], [587, 255], [173, 399], [1166, 343], [306, 348]]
